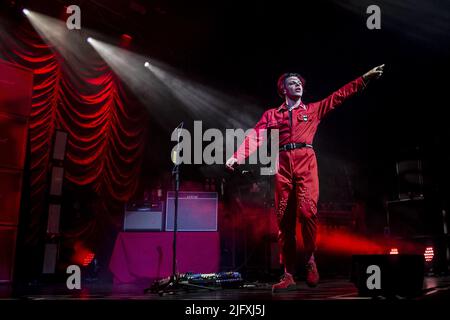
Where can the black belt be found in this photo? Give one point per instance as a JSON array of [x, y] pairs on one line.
[[291, 146]]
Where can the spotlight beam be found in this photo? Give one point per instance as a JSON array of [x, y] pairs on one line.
[[206, 103], [131, 69], [163, 87], [68, 44]]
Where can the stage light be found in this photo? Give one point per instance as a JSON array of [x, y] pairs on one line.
[[89, 39], [147, 64], [68, 44], [393, 251], [82, 255], [429, 254], [125, 40], [26, 11], [88, 259]]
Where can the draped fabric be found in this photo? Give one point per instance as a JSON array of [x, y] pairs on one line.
[[105, 126]]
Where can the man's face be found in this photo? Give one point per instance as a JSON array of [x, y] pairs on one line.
[[293, 87]]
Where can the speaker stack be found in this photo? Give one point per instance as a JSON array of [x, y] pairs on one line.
[[55, 198], [16, 87]]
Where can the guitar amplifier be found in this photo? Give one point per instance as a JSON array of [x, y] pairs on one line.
[[197, 211], [143, 217]]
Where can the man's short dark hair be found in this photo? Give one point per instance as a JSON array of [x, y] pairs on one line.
[[282, 79]]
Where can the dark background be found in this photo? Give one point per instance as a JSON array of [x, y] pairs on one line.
[[241, 47]]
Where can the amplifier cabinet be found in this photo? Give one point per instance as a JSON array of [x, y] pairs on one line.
[[143, 218], [197, 211]]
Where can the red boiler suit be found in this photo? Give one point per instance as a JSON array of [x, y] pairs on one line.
[[296, 181]]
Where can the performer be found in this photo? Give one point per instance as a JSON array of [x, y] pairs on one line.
[[297, 178]]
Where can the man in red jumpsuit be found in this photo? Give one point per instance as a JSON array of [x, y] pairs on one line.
[[297, 178]]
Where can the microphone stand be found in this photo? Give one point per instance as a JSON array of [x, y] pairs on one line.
[[176, 174], [169, 285]]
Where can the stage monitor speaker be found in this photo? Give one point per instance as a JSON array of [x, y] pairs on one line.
[[7, 252], [10, 192], [197, 211], [143, 218], [388, 275]]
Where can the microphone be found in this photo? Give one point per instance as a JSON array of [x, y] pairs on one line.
[[175, 153], [180, 126]]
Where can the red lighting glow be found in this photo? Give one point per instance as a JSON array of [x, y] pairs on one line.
[[345, 242]]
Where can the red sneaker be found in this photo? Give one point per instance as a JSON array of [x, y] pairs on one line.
[[312, 275], [287, 282]]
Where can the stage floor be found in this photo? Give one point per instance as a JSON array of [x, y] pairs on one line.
[[435, 288]]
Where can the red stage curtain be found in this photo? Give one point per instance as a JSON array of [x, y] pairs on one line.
[[106, 127]]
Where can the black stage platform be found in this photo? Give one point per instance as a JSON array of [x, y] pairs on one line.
[[329, 289], [336, 297]]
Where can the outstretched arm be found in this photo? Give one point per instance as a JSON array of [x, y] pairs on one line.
[[338, 97], [374, 73], [251, 142]]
